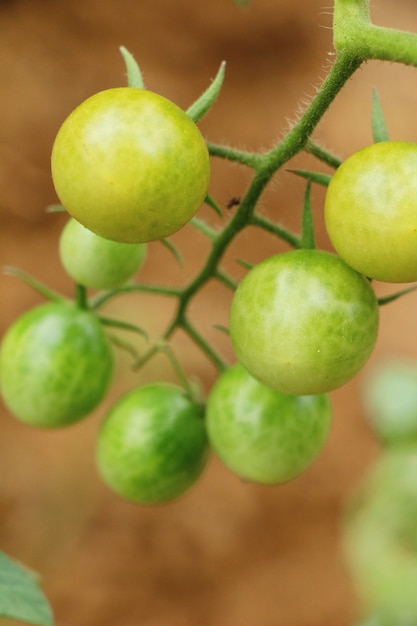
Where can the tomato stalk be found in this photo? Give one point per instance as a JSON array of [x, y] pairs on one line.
[[354, 34]]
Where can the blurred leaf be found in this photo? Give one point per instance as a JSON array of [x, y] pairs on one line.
[[307, 236], [55, 208], [174, 250], [20, 595], [213, 204], [113, 323], [379, 128], [208, 98], [126, 346], [36, 285], [315, 177], [245, 264], [134, 75], [222, 328], [396, 295]]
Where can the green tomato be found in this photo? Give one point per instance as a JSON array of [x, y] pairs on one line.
[[152, 445], [303, 322], [55, 365], [96, 262], [380, 537], [371, 211], [390, 400], [130, 165], [263, 435]]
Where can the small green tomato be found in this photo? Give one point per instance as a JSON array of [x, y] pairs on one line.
[[55, 365], [303, 322], [152, 446], [263, 435], [96, 262]]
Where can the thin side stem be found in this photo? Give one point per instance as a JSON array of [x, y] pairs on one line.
[[232, 154], [322, 154], [275, 229], [162, 290]]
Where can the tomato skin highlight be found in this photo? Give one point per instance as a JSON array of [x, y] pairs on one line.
[[96, 262], [263, 435], [55, 365], [130, 165], [152, 446], [371, 211], [303, 322]]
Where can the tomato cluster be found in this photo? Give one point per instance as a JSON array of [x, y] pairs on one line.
[[131, 167]]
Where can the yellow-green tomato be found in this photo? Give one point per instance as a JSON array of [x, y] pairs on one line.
[[371, 211], [303, 322], [130, 165], [261, 434], [55, 365], [96, 262], [152, 446]]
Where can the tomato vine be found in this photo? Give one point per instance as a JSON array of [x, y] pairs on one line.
[[356, 40]]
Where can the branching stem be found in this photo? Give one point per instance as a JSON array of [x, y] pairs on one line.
[[356, 40]]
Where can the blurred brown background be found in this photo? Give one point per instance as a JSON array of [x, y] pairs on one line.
[[228, 553]]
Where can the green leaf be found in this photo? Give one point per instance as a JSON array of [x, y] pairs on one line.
[[315, 177], [307, 230], [395, 296], [20, 595], [245, 264], [36, 285], [213, 204], [134, 75], [221, 328], [200, 107], [126, 346], [170, 246], [379, 128], [113, 323], [55, 208]]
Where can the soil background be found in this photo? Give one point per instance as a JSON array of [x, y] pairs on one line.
[[228, 553]]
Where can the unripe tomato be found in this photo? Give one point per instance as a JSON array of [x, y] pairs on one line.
[[303, 322], [55, 365], [261, 434], [390, 400], [96, 262], [371, 211], [380, 537], [152, 446], [130, 165]]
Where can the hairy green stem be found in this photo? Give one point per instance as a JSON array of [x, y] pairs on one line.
[[81, 296], [232, 154], [265, 166], [355, 35], [356, 40]]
